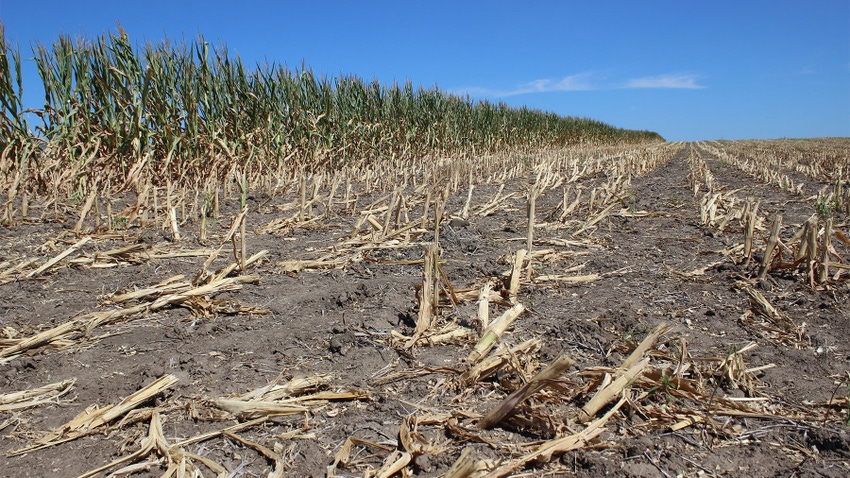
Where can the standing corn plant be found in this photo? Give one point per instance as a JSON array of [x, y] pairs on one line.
[[191, 114]]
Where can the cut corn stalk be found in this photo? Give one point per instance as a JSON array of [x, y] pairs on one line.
[[466, 465], [484, 305], [610, 392], [95, 417], [62, 255], [491, 364], [516, 275], [429, 295], [548, 449], [767, 259], [35, 396], [494, 332], [540, 381]]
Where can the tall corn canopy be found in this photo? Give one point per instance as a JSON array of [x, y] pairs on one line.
[[187, 112]]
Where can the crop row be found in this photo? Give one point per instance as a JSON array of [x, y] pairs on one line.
[[188, 113]]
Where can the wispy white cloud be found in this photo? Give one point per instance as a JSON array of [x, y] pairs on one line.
[[586, 82], [664, 81], [580, 82], [568, 83]]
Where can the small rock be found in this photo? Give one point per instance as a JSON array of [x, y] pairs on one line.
[[639, 446], [337, 346], [423, 462], [457, 222]]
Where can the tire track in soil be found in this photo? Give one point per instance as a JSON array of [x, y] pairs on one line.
[[707, 309], [794, 208]]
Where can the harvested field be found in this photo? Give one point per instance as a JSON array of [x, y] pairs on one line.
[[668, 309]]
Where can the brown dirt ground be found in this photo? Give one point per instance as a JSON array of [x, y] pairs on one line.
[[339, 321]]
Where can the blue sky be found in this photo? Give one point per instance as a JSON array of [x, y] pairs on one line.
[[688, 70]]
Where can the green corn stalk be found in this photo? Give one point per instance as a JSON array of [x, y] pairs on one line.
[[192, 113]]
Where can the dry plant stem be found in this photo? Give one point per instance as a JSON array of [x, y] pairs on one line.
[[811, 249], [344, 454], [529, 241], [85, 210], [644, 346], [424, 320], [64, 254], [97, 216], [748, 234], [568, 279], [87, 322], [532, 204], [9, 214], [466, 466], [494, 332], [764, 308], [540, 381], [179, 461], [143, 218], [376, 225], [236, 222], [251, 409], [279, 466], [303, 188], [516, 273], [573, 205], [149, 444], [803, 236], [8, 274], [172, 217], [35, 396], [329, 204], [771, 245], [564, 200], [823, 269], [350, 204], [425, 205], [484, 305], [598, 218], [394, 200], [202, 233], [357, 226], [609, 393], [439, 210], [548, 449], [455, 336], [208, 436], [394, 463], [42, 338], [170, 285], [493, 363], [464, 213], [296, 386], [314, 198], [90, 419], [446, 286], [155, 207], [243, 240], [223, 273]]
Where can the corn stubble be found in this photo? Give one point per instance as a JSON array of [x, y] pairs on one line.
[[164, 136], [675, 392], [810, 249]]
